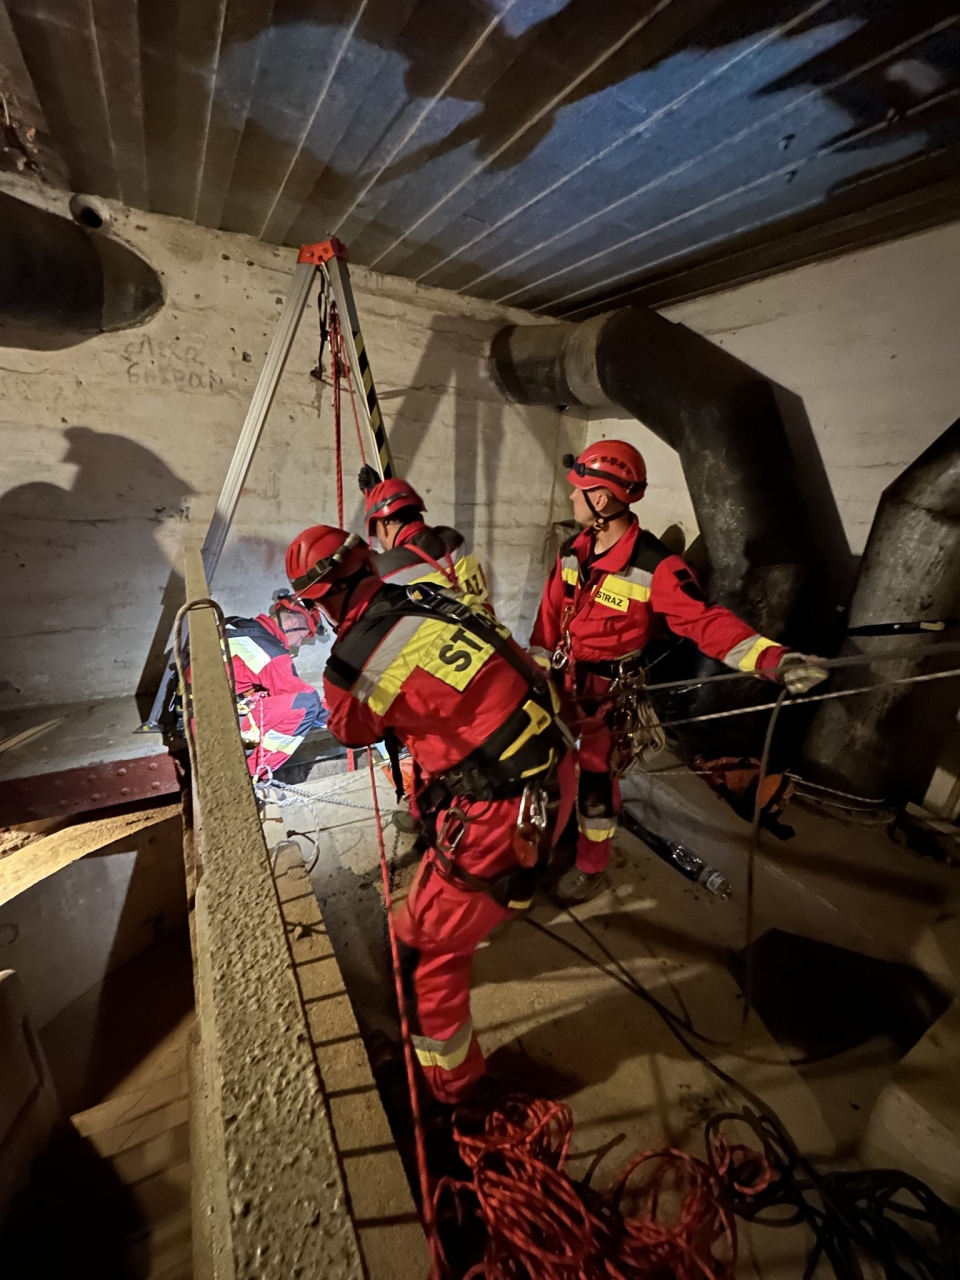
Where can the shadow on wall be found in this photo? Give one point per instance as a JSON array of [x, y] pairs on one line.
[[478, 441], [81, 571]]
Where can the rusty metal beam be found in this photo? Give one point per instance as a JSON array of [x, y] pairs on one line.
[[96, 786]]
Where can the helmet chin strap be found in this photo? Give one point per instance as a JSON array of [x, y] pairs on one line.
[[600, 521]]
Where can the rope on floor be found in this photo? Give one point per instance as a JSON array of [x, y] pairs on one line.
[[667, 1214], [873, 1222]]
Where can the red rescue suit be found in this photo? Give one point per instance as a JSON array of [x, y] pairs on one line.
[[598, 609], [447, 695], [436, 555], [276, 708]]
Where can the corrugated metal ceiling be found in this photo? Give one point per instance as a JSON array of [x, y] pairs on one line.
[[554, 154]]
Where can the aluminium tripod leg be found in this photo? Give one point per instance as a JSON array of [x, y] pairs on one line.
[[250, 434]]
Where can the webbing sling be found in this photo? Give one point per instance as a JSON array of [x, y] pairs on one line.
[[424, 600], [434, 602]]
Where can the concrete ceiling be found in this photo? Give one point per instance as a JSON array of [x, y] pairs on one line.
[[558, 155]]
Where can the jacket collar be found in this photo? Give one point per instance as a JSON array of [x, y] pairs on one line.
[[409, 532], [615, 557], [363, 593], [274, 627]]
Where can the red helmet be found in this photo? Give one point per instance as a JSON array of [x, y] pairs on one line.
[[321, 556], [387, 498], [610, 464]]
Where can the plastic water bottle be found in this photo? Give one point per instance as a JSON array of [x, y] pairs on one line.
[[689, 864]]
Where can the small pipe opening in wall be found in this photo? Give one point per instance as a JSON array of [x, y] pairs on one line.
[[90, 212]]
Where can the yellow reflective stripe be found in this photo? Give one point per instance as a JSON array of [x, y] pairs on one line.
[[520, 906], [276, 741], [570, 575], [616, 593], [539, 720], [445, 650], [472, 579], [541, 768], [445, 1054], [597, 828], [249, 652], [748, 660], [368, 683]]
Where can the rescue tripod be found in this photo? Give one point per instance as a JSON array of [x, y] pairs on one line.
[[339, 321], [338, 316]]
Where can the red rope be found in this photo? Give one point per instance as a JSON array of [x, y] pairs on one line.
[[542, 1226], [427, 1211]]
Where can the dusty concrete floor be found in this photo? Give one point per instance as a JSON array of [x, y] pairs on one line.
[[553, 1023]]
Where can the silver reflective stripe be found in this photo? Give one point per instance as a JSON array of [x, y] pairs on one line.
[[630, 574], [274, 740], [445, 1054], [411, 573], [386, 652], [569, 565], [248, 651], [597, 829], [421, 569], [744, 656], [595, 821], [735, 656]]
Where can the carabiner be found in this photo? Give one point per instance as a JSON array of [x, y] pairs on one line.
[[446, 842]]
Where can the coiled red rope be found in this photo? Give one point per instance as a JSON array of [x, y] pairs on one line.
[[671, 1223]]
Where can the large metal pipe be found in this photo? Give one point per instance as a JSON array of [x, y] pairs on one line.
[[719, 414], [723, 419], [910, 572], [61, 283]]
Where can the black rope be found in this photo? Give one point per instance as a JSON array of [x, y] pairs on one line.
[[852, 1215], [752, 849]]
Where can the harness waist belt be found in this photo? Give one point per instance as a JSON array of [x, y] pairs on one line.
[[525, 748], [609, 669]]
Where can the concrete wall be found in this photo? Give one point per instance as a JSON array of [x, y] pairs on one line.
[[112, 449], [868, 343]]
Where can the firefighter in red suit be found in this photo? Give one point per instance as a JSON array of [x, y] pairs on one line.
[[276, 708], [414, 551], [480, 720], [609, 586]]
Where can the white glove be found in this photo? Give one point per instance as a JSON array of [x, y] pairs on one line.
[[800, 672]]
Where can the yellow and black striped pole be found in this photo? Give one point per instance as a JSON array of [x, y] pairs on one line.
[[330, 256]]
